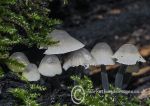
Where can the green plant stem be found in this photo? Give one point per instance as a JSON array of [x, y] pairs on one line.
[[104, 78]]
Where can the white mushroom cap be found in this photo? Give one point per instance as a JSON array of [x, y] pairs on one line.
[[50, 66], [31, 73], [103, 54], [21, 58], [66, 43], [80, 57], [128, 54]]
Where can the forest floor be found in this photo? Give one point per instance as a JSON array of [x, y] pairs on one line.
[[113, 21], [91, 21]]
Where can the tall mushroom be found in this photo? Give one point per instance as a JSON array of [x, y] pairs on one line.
[[66, 43], [126, 55], [103, 55], [21, 58], [50, 66], [81, 57], [31, 73]]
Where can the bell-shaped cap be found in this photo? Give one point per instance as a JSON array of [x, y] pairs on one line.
[[103, 54], [66, 43], [31, 73], [50, 66], [128, 54], [80, 57], [21, 58]]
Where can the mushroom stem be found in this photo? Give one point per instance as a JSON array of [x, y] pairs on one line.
[[104, 78], [80, 71], [119, 76]]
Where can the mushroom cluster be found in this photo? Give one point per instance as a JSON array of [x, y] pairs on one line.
[[29, 71], [101, 55], [67, 44], [50, 65], [127, 55]]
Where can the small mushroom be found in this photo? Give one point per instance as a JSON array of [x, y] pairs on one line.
[[103, 55], [21, 58], [31, 73], [66, 43], [50, 66], [80, 57], [127, 55], [77, 58]]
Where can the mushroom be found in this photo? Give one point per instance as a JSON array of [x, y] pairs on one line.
[[20, 57], [127, 55], [66, 43], [50, 66], [31, 73], [103, 55], [81, 57]]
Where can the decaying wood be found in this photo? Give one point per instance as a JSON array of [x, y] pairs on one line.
[[144, 94], [145, 51], [142, 71], [96, 69]]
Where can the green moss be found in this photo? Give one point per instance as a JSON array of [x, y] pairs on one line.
[[23, 22], [15, 65], [1, 72], [95, 97], [29, 95], [148, 101]]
